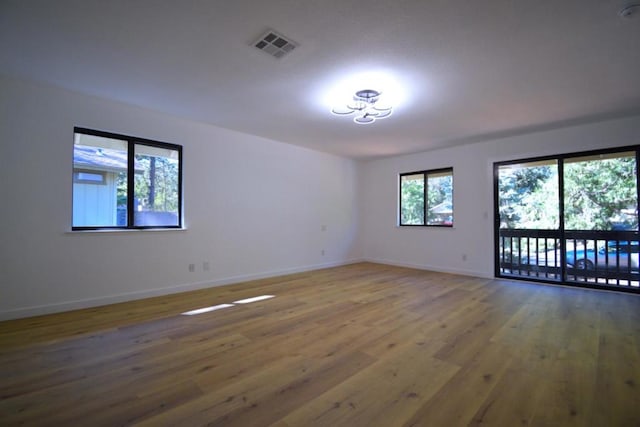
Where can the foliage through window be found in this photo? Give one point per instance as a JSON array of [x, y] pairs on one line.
[[139, 187], [529, 195], [600, 193], [426, 198]]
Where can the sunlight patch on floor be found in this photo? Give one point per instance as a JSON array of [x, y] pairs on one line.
[[221, 306], [206, 309], [254, 299]]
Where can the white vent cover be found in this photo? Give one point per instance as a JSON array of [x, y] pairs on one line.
[[275, 44]]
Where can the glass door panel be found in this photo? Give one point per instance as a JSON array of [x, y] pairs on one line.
[[528, 208]]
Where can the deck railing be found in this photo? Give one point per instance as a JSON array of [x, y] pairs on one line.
[[594, 258]]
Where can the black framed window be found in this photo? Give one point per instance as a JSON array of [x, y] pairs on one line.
[[426, 198], [570, 218], [140, 182]]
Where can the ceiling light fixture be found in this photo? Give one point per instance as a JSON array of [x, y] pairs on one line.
[[364, 106]]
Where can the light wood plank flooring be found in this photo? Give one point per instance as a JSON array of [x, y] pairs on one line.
[[359, 345]]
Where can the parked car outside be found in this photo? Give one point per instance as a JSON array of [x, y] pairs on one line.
[[616, 255]]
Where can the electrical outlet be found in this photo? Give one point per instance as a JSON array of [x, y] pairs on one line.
[[192, 268], [205, 266], [464, 257], [322, 252]]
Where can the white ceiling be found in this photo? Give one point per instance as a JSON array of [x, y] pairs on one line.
[[471, 69]]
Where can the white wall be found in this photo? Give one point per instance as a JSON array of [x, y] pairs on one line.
[[253, 207], [442, 249]]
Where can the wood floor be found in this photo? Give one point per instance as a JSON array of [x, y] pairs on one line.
[[360, 345]]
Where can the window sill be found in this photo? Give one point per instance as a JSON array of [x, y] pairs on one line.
[[427, 227], [127, 230]]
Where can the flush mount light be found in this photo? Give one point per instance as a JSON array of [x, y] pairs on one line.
[[363, 105]]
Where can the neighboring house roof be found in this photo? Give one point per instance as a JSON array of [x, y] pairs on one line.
[[103, 159]]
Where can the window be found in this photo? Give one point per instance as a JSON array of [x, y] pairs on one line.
[[570, 218], [89, 177], [600, 192], [122, 182], [528, 195], [426, 198]]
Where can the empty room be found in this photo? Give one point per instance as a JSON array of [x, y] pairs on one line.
[[328, 213]]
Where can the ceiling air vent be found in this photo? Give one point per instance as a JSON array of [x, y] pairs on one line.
[[275, 44]]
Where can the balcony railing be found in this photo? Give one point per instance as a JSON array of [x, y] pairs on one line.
[[592, 258]]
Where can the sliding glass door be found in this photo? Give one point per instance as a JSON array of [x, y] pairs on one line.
[[570, 219]]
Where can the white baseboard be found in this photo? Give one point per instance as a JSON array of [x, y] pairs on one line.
[[439, 269], [185, 287]]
